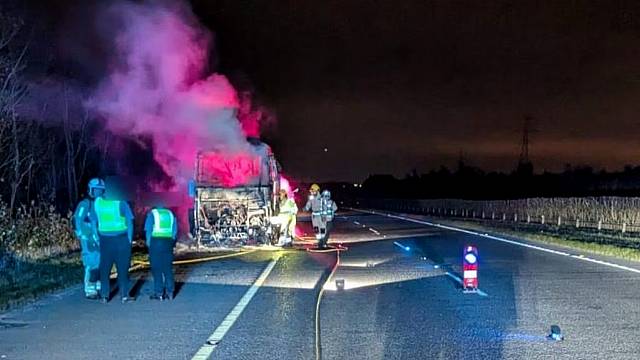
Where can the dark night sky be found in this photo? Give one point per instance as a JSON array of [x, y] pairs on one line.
[[388, 86]]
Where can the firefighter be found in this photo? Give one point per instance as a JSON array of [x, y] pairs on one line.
[[287, 215], [161, 229], [113, 220], [329, 209], [88, 237], [314, 205]]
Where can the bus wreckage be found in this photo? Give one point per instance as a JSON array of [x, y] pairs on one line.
[[235, 197]]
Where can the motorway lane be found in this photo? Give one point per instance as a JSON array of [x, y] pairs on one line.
[[597, 307], [398, 304], [66, 326]]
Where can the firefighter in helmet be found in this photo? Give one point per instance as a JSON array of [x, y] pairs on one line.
[[88, 237], [329, 209], [314, 204], [287, 215]]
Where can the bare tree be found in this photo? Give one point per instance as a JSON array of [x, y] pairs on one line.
[[15, 164]]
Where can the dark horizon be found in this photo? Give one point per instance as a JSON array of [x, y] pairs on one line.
[[411, 85], [387, 88]]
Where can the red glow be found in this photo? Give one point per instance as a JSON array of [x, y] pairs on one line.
[[252, 118], [230, 170], [284, 185]]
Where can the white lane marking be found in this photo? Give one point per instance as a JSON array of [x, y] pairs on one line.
[[457, 279], [400, 245], [214, 339], [579, 257], [374, 231], [357, 223]]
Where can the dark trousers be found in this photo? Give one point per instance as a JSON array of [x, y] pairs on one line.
[[161, 258], [325, 238], [115, 249]]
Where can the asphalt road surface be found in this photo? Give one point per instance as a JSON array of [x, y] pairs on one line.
[[401, 300]]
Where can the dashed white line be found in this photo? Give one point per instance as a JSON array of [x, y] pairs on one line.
[[405, 248], [453, 276], [540, 248], [357, 223], [214, 339], [374, 231]]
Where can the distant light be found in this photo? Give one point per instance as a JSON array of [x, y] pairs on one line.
[[470, 258], [470, 248], [424, 258], [355, 185], [436, 266], [326, 149], [407, 248], [340, 284]]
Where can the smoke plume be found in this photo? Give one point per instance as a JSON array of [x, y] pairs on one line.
[[158, 87]]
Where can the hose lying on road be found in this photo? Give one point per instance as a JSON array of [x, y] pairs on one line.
[[141, 265], [329, 249], [320, 293]]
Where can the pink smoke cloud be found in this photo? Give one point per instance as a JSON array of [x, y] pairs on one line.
[[158, 88]]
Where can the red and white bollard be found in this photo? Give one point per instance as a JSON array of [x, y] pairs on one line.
[[470, 269]]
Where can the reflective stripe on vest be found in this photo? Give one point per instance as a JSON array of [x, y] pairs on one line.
[[162, 223], [327, 206], [110, 220]]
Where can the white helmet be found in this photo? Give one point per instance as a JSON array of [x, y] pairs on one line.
[[95, 184]]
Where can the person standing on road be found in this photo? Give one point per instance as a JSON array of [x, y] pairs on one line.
[[287, 215], [329, 209], [114, 221], [314, 205], [161, 229], [88, 236]]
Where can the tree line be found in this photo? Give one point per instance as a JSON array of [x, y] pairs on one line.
[[51, 146], [468, 182]]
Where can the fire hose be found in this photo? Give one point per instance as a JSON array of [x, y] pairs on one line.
[[318, 338], [141, 265]]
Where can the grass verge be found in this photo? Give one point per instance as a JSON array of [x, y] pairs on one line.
[[582, 241], [28, 280], [24, 281]]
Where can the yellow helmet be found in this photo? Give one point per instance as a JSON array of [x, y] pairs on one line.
[[314, 187]]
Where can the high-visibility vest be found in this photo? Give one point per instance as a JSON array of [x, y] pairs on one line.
[[163, 220], [110, 220], [288, 207]]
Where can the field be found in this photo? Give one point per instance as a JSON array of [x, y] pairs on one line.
[[601, 213], [603, 225]]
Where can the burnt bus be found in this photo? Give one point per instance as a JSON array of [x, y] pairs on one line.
[[235, 198]]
